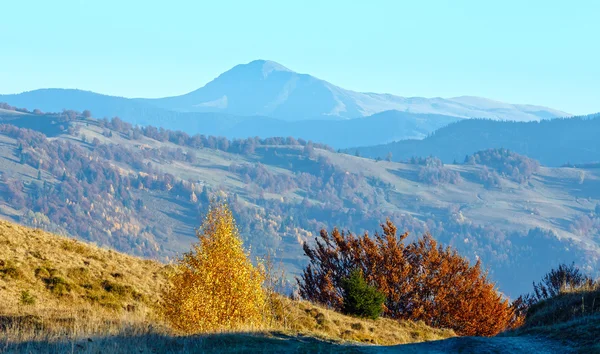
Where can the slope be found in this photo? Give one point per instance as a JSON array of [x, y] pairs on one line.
[[552, 142], [58, 292], [48, 321], [141, 191], [385, 126], [381, 127]]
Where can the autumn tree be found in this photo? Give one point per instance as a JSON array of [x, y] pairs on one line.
[[421, 280], [388, 158], [215, 286]]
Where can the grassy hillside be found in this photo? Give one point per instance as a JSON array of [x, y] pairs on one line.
[[45, 272], [142, 192], [572, 317], [75, 322], [58, 292]]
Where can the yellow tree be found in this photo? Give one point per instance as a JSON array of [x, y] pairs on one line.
[[215, 287]]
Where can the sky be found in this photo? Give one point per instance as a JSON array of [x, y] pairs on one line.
[[537, 52]]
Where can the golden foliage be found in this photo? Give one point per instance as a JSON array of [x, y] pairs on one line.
[[215, 287]]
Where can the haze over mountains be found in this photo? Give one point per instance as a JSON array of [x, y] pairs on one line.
[[553, 142], [267, 88], [263, 98]]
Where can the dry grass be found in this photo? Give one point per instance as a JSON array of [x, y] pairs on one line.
[[41, 271], [568, 305], [306, 318], [62, 295], [572, 317]]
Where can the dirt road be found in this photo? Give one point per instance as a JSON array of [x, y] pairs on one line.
[[523, 344]]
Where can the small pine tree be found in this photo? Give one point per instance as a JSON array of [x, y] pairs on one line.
[[215, 286], [360, 298]]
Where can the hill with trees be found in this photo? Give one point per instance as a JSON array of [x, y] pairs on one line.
[[141, 190], [384, 126], [58, 294], [553, 142], [61, 295]]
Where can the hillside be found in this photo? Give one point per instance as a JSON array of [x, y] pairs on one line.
[[381, 127], [141, 191], [572, 318], [552, 142], [54, 286], [57, 271], [108, 300], [385, 126]]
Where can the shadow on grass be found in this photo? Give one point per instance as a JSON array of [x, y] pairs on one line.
[[268, 342]]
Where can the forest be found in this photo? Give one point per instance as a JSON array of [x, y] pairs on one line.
[[552, 142]]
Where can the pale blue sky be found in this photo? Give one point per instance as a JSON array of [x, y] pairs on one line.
[[539, 52]]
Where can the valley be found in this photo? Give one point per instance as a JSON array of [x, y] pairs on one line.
[[142, 191]]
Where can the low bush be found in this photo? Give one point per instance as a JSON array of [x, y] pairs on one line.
[[26, 298], [421, 281]]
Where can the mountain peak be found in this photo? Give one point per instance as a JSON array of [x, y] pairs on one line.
[[266, 66]]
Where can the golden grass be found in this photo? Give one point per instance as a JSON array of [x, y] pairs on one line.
[[51, 271], [58, 294], [309, 319], [572, 317], [569, 304]]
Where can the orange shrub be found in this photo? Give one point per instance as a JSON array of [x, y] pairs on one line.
[[421, 280]]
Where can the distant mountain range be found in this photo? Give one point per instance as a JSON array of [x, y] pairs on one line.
[[263, 98], [553, 142], [269, 89]]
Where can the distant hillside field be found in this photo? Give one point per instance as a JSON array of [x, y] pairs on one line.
[[142, 191]]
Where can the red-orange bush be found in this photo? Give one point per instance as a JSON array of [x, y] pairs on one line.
[[421, 280]]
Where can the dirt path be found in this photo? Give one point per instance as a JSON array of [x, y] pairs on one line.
[[525, 344]]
